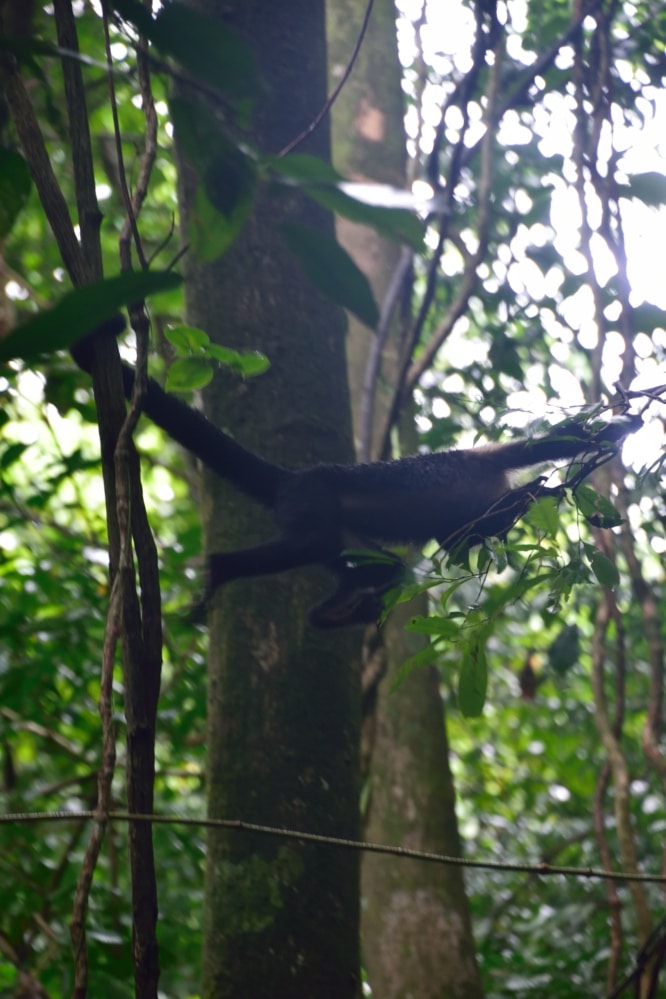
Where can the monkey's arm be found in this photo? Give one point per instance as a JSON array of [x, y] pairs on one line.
[[565, 441]]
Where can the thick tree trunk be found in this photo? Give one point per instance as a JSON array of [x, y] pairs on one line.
[[281, 917]]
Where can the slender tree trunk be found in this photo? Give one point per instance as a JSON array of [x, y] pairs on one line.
[[417, 933], [281, 917], [417, 936]]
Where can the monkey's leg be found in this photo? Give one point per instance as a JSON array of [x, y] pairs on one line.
[[274, 556]]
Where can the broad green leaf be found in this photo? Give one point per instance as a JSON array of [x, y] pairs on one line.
[[195, 345], [228, 175], [396, 223], [194, 123], [211, 232], [605, 570], [15, 185], [483, 559], [187, 374], [495, 553], [575, 572], [450, 590], [80, 312], [564, 650], [230, 181], [11, 454], [247, 364], [544, 516], [460, 556], [332, 271], [203, 44], [392, 212], [186, 338], [303, 169], [252, 363], [473, 681], [596, 509], [437, 627]]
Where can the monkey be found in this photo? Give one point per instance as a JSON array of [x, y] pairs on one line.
[[342, 516]]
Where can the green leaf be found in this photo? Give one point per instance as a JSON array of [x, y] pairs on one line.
[[397, 224], [194, 344], [230, 181], [473, 681], [596, 509], [460, 556], [332, 271], [187, 374], [186, 339], [483, 559], [211, 233], [228, 175], [248, 364], [605, 570], [495, 552], [11, 454], [203, 44], [392, 212], [15, 185], [228, 172], [564, 650], [303, 169], [81, 311], [252, 364], [437, 627], [570, 575], [544, 516]]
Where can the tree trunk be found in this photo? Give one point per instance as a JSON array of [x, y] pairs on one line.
[[281, 917], [417, 936]]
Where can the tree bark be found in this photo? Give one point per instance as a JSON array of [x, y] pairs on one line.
[[416, 929], [281, 917]]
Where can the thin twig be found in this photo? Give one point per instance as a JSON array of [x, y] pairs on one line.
[[240, 825], [319, 117]]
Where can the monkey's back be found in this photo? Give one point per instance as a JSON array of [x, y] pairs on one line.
[[413, 499]]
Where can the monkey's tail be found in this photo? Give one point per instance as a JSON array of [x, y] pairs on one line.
[[257, 478], [254, 476]]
